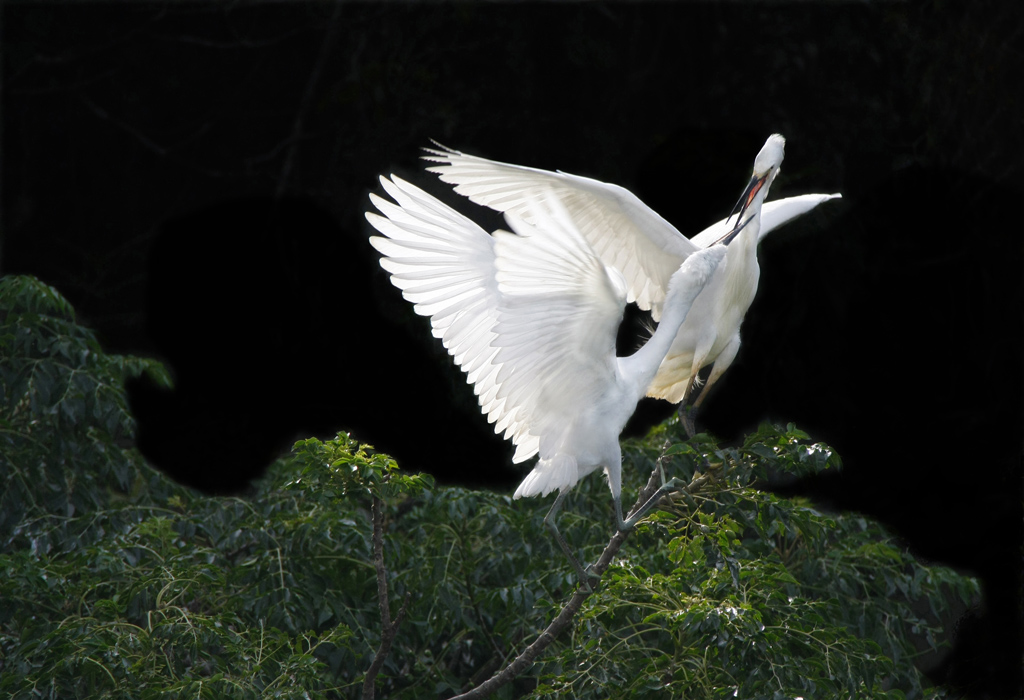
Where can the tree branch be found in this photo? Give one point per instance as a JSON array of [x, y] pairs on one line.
[[388, 628], [377, 515], [558, 625]]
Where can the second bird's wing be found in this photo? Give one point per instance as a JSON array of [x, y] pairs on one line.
[[626, 233], [530, 318]]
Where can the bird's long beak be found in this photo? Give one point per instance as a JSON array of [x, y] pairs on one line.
[[756, 183], [727, 238]]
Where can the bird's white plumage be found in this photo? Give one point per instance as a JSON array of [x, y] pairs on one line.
[[771, 154], [521, 314], [628, 235], [557, 316], [711, 333], [531, 317]]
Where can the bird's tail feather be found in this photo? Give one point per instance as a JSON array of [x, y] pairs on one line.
[[558, 473]]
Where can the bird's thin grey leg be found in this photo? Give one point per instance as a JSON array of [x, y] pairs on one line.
[[686, 395], [704, 392], [586, 579], [624, 524], [688, 418], [688, 414], [700, 398]]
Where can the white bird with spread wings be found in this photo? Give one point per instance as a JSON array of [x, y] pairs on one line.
[[631, 237], [531, 317]]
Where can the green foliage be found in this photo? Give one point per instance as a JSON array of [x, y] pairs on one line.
[[115, 582], [62, 406], [739, 593]]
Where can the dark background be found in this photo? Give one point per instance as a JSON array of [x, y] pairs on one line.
[[193, 178]]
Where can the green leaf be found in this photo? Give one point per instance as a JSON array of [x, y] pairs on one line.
[[116, 581]]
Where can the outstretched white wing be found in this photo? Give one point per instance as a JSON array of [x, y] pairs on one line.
[[444, 265], [531, 318], [626, 233]]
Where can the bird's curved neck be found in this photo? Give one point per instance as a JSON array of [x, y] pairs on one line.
[[639, 368], [740, 271], [745, 244]]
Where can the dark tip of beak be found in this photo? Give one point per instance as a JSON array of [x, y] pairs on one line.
[[727, 238]]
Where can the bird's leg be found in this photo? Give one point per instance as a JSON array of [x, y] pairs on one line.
[[722, 363], [687, 416], [686, 395], [587, 579], [700, 399], [703, 394], [686, 413], [625, 524]]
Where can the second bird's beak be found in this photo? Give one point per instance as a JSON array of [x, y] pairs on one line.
[[727, 238], [755, 185]]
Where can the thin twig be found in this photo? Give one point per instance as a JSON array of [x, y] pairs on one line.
[[389, 629], [564, 618]]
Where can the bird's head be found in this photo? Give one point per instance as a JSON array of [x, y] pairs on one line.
[[769, 159], [767, 165]]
